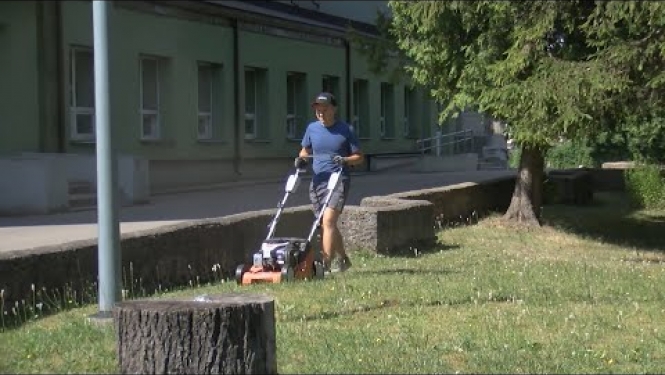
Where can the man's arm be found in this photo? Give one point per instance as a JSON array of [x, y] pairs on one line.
[[355, 158], [304, 152]]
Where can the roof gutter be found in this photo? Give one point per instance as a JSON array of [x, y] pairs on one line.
[[253, 14]]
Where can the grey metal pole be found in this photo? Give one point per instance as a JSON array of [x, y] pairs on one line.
[[107, 210]]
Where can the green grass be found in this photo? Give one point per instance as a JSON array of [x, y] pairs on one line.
[[583, 294]]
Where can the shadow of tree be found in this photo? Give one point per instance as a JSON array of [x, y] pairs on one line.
[[414, 252], [404, 271], [611, 219], [388, 303]]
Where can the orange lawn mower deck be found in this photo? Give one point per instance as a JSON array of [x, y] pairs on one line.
[[285, 259], [301, 265]]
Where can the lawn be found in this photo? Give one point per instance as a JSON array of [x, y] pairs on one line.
[[582, 294]]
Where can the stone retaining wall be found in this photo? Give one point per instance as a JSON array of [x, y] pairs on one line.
[[203, 250]]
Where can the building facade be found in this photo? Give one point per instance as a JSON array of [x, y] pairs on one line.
[[205, 91]]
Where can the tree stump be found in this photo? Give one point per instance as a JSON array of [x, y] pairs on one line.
[[222, 334]]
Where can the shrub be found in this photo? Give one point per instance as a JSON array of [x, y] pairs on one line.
[[564, 155], [569, 154], [646, 139], [646, 186], [514, 157]]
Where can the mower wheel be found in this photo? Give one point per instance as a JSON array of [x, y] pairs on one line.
[[240, 270], [319, 271], [287, 274]]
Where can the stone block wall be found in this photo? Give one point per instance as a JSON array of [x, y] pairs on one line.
[[609, 178], [176, 255], [387, 225], [456, 203], [570, 186], [185, 253]]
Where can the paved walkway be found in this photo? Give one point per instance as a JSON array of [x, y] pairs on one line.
[[20, 233]]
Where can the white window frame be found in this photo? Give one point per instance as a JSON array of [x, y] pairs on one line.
[[251, 116], [206, 116], [332, 80], [205, 120], [74, 109], [152, 114], [384, 110], [292, 113], [291, 126], [355, 119], [406, 126]]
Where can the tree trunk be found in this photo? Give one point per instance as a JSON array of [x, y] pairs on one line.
[[225, 334], [528, 194]]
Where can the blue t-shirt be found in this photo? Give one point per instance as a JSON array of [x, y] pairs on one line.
[[326, 142]]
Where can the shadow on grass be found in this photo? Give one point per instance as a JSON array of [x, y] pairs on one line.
[[390, 303], [415, 252], [404, 271], [610, 219]]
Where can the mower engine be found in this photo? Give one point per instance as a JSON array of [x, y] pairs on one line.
[[275, 253]]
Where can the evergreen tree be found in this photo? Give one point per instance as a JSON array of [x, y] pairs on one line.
[[548, 69]]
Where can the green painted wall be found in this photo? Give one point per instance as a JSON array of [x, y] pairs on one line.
[[424, 115], [182, 44], [279, 56], [19, 103]]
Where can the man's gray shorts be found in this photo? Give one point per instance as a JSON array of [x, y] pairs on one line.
[[318, 194]]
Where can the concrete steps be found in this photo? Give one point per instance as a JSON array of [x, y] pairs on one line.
[[82, 195]]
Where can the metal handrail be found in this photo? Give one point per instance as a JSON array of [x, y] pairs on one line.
[[436, 141], [465, 131]]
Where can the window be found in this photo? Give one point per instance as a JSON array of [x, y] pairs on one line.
[[295, 105], [386, 120], [82, 94], [250, 103], [255, 102], [150, 98], [208, 99], [408, 121], [330, 84], [360, 117]]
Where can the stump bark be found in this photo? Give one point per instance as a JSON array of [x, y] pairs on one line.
[[221, 334]]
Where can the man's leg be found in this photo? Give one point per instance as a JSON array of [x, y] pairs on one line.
[[332, 243], [317, 196], [331, 238], [331, 231]]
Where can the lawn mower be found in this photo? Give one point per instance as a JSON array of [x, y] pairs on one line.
[[284, 259]]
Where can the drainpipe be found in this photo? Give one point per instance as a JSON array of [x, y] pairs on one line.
[[42, 61], [60, 121], [236, 95]]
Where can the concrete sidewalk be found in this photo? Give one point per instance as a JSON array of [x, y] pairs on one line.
[[22, 233]]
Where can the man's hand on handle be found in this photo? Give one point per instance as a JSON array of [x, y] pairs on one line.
[[339, 160], [300, 162]]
